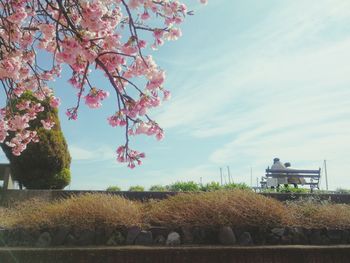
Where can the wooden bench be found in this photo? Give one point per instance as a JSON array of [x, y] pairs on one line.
[[312, 177], [5, 175]]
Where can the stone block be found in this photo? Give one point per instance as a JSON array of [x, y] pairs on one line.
[[173, 239], [227, 236]]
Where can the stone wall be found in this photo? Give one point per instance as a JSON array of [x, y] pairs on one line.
[[162, 236]]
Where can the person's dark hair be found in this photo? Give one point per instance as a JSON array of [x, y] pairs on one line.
[[276, 160], [287, 164]]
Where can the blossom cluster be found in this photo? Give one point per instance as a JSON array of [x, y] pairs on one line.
[[104, 35], [132, 157]]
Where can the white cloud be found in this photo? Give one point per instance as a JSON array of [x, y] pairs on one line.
[[286, 94], [305, 76], [288, 48], [100, 153]]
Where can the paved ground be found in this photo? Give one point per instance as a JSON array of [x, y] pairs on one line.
[[187, 254]]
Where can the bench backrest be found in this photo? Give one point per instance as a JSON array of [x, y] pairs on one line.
[[293, 171]]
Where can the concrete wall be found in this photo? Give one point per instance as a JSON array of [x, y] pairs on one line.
[[335, 198], [10, 196], [275, 254]]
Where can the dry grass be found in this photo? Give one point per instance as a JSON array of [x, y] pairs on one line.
[[317, 215], [236, 208], [4, 217], [85, 211]]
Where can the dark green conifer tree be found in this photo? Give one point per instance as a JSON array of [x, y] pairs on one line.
[[45, 164]]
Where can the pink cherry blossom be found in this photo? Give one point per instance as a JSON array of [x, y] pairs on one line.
[[132, 157], [72, 114], [55, 102], [47, 124], [94, 97], [118, 119], [145, 16], [18, 123], [18, 16], [167, 95], [3, 130], [173, 34]]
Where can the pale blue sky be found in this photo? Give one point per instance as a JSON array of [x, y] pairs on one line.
[[251, 80]]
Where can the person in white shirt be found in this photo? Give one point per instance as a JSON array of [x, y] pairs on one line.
[[277, 165]]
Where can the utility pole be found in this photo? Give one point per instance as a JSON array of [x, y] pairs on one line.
[[229, 174], [221, 175], [325, 173], [251, 177]]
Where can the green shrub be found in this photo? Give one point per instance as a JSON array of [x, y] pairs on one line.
[[43, 165], [113, 188], [268, 190], [232, 186], [184, 187], [210, 187], [136, 188], [288, 189], [157, 188]]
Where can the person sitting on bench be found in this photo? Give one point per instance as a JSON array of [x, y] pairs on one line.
[[294, 179]]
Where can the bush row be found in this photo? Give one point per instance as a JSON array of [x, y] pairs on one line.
[[189, 186], [237, 209]]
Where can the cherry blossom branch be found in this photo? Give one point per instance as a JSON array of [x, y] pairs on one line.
[[82, 35]]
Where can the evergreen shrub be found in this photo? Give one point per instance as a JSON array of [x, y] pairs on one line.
[[45, 164]]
